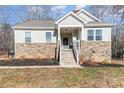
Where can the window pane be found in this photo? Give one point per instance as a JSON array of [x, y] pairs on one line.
[[90, 32], [27, 34], [48, 37], [91, 35], [27, 37], [98, 37], [90, 38], [98, 34]]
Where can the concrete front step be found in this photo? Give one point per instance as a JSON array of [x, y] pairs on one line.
[[71, 61], [67, 54], [63, 52], [71, 66], [66, 49], [68, 65], [67, 58]]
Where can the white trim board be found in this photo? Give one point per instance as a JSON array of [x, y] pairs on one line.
[[70, 13], [90, 15]]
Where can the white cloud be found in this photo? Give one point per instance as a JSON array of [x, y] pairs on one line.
[[58, 8], [80, 7]]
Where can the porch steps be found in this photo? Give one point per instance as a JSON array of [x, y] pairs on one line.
[[67, 58]]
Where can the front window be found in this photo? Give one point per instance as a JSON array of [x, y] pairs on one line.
[[48, 37], [90, 35], [98, 34], [28, 37]]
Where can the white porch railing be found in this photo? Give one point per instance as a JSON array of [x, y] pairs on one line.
[[76, 46]]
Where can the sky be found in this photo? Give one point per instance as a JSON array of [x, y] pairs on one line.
[[17, 12]]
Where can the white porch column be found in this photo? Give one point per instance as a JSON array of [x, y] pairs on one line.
[[82, 33], [59, 41], [58, 33]]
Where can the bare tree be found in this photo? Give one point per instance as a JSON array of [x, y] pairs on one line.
[[44, 12], [6, 33], [38, 12]]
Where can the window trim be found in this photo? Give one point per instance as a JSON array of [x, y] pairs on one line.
[[90, 35], [51, 37], [98, 35], [94, 34], [28, 37]]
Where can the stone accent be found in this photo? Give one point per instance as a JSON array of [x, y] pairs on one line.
[[96, 51], [37, 50]]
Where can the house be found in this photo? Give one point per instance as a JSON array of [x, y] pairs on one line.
[[75, 37]]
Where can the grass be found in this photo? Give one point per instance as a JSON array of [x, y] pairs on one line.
[[63, 77]]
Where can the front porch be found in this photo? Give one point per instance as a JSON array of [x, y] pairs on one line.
[[69, 38]]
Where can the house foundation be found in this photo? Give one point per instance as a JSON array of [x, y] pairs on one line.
[[96, 51], [35, 50]]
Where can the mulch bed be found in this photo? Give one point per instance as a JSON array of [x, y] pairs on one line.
[[28, 62], [96, 64]]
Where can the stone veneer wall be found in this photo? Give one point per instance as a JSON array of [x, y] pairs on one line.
[[35, 50], [96, 51]]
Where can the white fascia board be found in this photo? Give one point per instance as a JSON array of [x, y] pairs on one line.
[[33, 27], [92, 16]]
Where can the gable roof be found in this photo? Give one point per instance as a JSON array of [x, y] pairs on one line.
[[70, 13], [90, 15], [36, 24]]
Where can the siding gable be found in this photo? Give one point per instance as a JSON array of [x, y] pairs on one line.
[[85, 17], [70, 20]]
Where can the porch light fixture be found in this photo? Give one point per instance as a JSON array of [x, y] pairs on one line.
[[65, 29]]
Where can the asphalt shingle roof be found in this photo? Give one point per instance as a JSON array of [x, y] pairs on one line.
[[36, 24]]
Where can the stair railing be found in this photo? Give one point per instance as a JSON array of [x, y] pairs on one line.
[[76, 50]]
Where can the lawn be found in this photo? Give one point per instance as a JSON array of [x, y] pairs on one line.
[[63, 77]]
